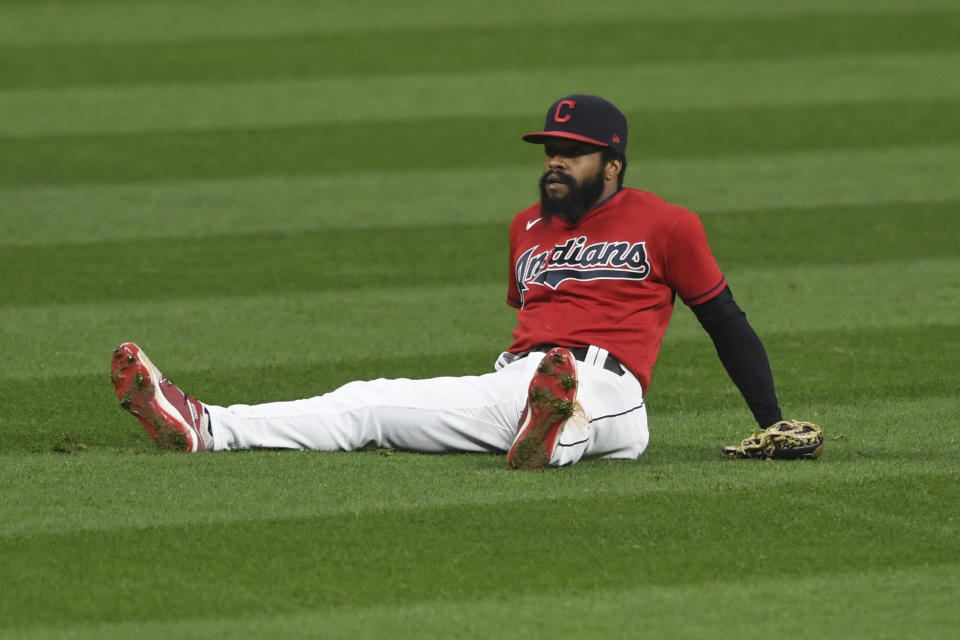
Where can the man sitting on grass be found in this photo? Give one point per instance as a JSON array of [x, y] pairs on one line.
[[595, 270]]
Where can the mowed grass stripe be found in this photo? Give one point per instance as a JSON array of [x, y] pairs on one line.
[[48, 493], [328, 326], [254, 264], [457, 49], [848, 605], [448, 143], [107, 21], [267, 103], [815, 370], [198, 331], [885, 178], [251, 264], [638, 540]]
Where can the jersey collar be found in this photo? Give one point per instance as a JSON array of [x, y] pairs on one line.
[[596, 208]]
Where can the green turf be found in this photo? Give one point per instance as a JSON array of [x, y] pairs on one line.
[[280, 198], [164, 20], [468, 48], [460, 142], [814, 79]]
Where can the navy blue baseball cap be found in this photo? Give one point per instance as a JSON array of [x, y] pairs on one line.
[[584, 118]]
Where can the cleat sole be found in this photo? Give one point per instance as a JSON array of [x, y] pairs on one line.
[[550, 403], [134, 384]]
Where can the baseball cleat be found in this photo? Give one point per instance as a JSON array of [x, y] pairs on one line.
[[549, 405], [173, 419]]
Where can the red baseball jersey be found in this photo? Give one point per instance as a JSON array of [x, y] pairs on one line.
[[611, 280]]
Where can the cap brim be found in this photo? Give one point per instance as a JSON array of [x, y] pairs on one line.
[[542, 136]]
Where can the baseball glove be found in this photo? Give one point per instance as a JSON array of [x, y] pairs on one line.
[[784, 440]]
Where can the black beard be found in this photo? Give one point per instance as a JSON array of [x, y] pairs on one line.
[[579, 200]]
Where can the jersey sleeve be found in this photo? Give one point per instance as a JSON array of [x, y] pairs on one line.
[[692, 271]]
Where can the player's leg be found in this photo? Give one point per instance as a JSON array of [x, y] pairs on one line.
[[469, 414], [610, 420], [618, 417], [575, 409]]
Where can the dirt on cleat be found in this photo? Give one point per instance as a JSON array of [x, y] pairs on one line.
[[566, 381], [563, 409], [170, 439], [530, 454], [540, 396]]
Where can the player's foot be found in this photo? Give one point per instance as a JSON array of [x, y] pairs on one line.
[[549, 406], [172, 418]]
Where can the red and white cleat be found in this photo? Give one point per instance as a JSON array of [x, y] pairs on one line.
[[550, 403], [173, 419]]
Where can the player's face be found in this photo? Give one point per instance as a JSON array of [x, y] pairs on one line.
[[573, 179], [570, 159]]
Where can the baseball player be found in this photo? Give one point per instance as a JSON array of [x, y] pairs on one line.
[[594, 271]]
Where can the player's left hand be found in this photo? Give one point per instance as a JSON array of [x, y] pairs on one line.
[[784, 440]]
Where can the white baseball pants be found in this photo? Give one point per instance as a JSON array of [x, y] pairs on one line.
[[447, 414]]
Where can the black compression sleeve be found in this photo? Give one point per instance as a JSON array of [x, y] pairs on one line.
[[742, 355]]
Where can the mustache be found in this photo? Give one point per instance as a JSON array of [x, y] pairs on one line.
[[557, 176]]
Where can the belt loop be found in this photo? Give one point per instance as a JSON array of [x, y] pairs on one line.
[[602, 357], [596, 356], [591, 355]]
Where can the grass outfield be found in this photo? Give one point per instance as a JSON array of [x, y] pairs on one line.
[[279, 198]]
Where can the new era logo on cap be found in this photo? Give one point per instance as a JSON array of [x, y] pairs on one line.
[[585, 118]]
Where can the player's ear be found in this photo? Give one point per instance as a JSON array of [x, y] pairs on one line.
[[612, 168]]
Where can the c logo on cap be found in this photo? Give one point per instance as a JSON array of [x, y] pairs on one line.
[[570, 104]]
